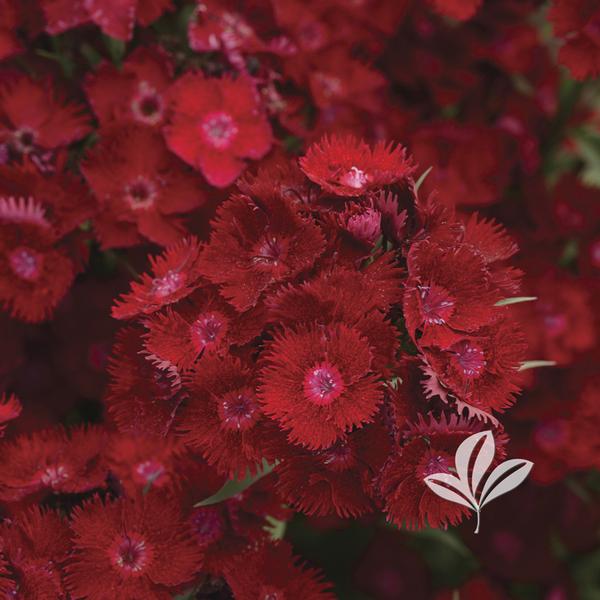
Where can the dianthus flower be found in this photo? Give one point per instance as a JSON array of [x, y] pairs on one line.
[[142, 189], [10, 408], [175, 275], [215, 124], [460, 10], [318, 384], [134, 93], [127, 549], [272, 571], [35, 545], [349, 167]]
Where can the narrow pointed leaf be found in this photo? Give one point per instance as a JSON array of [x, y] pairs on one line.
[[463, 456], [496, 486], [515, 300], [422, 178], [484, 459], [535, 364], [447, 494]]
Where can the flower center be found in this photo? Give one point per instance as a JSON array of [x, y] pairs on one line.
[[54, 475], [435, 463], [141, 193], [130, 554], [354, 178], [338, 457], [331, 86], [147, 106], [208, 525], [26, 263], [208, 330], [167, 284], [149, 471], [24, 139], [437, 305], [219, 130], [268, 592], [366, 226], [269, 252], [323, 384], [238, 410], [470, 358]]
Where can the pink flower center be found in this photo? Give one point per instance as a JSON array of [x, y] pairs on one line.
[[338, 457], [331, 86], [269, 592], [551, 435], [149, 471], [470, 358], [355, 178], [435, 463], [147, 106], [323, 384], [167, 284], [366, 226], [219, 130], [54, 475], [141, 193], [437, 305], [130, 554], [26, 263], [269, 252], [208, 525], [208, 330], [238, 410], [24, 139]]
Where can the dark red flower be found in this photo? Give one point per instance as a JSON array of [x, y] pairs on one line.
[[318, 384], [257, 242], [130, 549], [142, 189], [349, 167], [9, 21], [135, 92], [10, 408], [216, 124], [175, 276], [52, 460], [457, 9], [271, 571], [36, 116], [35, 546], [577, 23]]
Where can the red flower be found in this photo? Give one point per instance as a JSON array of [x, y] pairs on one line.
[[317, 383], [223, 416], [52, 460], [175, 276], [349, 167], [215, 124], [35, 546], [116, 18], [257, 242], [10, 408], [203, 324], [477, 371], [36, 117], [271, 571], [430, 449], [576, 22], [334, 480], [140, 187], [457, 9], [9, 21], [133, 93], [127, 549]]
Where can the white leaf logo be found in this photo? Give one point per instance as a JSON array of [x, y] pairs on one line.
[[472, 460]]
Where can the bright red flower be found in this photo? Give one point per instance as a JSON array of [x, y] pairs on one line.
[[10, 408], [223, 416], [457, 9], [127, 549], [318, 384], [141, 187], [116, 18], [349, 167], [175, 276], [36, 116], [272, 571], [256, 242], [133, 93], [52, 460], [216, 124], [430, 449], [577, 23], [35, 546], [203, 324]]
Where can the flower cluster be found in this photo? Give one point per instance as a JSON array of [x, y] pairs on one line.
[[265, 265]]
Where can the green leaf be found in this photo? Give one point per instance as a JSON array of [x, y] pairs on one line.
[[535, 364], [275, 528], [116, 49], [422, 178], [515, 300], [236, 486], [588, 145]]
